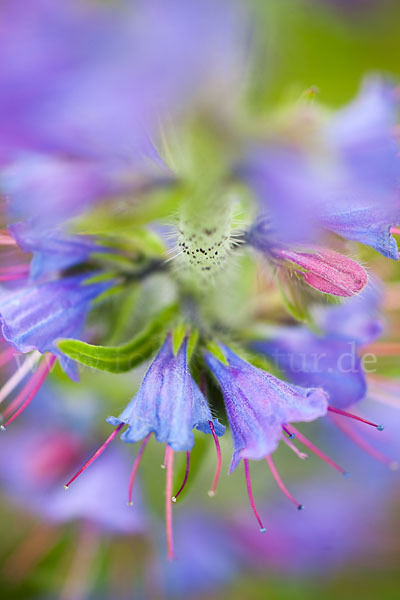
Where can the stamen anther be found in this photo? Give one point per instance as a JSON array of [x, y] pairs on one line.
[[290, 435]]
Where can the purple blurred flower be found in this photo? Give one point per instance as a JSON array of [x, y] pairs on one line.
[[259, 404], [86, 84], [38, 460], [329, 360], [209, 555], [326, 536], [352, 190]]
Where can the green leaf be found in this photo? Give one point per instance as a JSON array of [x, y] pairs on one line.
[[178, 335], [192, 343], [119, 359], [214, 349]]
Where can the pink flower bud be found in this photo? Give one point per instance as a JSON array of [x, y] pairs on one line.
[[328, 271]]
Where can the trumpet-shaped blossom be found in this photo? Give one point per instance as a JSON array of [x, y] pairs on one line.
[[168, 404], [34, 317], [258, 405]]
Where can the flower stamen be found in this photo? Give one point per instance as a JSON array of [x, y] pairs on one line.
[[344, 413], [318, 452], [168, 505], [213, 489], [280, 483], [19, 375], [250, 493], [355, 437], [32, 388], [136, 466], [96, 454], [294, 449], [174, 498]]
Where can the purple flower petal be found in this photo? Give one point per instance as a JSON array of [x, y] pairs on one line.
[[258, 404], [168, 403]]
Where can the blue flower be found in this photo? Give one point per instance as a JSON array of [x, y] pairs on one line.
[[52, 250], [369, 225], [329, 360], [34, 317], [168, 403], [258, 405], [309, 360]]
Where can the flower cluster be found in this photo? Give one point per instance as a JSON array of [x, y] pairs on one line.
[[142, 221]]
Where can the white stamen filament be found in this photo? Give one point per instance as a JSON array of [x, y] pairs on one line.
[[19, 374]]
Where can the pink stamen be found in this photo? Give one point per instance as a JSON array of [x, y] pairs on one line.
[[165, 461], [7, 355], [280, 483], [96, 454], [174, 498], [14, 272], [20, 374], [363, 444], [214, 484], [294, 449], [19, 399], [37, 381], [14, 268], [168, 505], [317, 451], [7, 240], [395, 230], [136, 466], [344, 413], [250, 493]]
